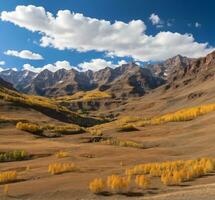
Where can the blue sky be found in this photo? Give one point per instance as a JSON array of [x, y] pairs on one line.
[[160, 30]]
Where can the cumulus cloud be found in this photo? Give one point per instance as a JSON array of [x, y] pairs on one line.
[[68, 30], [51, 67], [25, 54], [98, 64], [155, 19], [1, 69], [2, 62], [94, 65]]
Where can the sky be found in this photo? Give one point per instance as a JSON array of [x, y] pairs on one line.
[[83, 34]]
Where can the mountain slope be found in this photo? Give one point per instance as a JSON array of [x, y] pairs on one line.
[[126, 80], [46, 106]]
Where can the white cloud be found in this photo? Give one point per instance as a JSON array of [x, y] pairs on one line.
[[155, 19], [69, 30], [25, 54], [95, 65], [197, 25], [51, 67], [122, 62], [9, 68], [98, 64], [2, 62]]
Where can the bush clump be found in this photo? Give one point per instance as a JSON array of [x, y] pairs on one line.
[[59, 168], [30, 127], [62, 154], [8, 176], [123, 143], [97, 185], [127, 128], [16, 155]]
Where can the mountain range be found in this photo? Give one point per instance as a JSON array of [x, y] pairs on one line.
[[124, 81]]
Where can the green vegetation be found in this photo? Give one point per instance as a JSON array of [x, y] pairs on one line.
[[16, 155]]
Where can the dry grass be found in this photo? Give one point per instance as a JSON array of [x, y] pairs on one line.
[[84, 96], [123, 143], [59, 168], [47, 106], [127, 128], [50, 130]]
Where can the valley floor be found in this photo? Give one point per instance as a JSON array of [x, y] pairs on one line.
[[171, 141]]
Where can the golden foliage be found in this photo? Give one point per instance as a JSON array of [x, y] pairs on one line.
[[29, 127], [95, 132], [68, 129], [59, 168], [185, 114], [84, 96], [97, 185], [127, 127], [175, 172], [47, 106], [118, 183], [62, 154], [142, 181], [50, 130], [8, 176]]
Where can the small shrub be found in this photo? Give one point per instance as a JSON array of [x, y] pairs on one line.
[[59, 168], [30, 127], [16, 155], [97, 185], [127, 128], [142, 181], [123, 143], [62, 154], [70, 129], [118, 183], [8, 176], [95, 132]]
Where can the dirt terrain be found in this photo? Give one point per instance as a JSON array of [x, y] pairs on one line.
[[170, 141]]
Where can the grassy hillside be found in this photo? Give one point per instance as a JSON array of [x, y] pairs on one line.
[[47, 106], [85, 96]]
